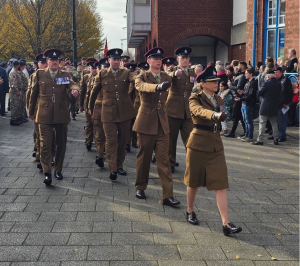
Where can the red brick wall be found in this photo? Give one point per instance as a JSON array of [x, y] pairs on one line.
[[292, 22], [238, 52], [291, 28], [200, 17]]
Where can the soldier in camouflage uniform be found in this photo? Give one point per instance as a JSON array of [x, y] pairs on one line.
[[24, 90], [15, 92]]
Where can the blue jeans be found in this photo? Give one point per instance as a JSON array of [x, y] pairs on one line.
[[247, 112], [282, 120]]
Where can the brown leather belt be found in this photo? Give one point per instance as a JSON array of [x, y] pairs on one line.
[[206, 128]]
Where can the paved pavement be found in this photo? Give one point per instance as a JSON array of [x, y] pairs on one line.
[[87, 220]]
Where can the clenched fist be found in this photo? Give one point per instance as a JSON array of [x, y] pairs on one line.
[[178, 73], [163, 86], [220, 116]]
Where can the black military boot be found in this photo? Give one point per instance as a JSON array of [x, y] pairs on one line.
[[128, 149], [48, 180], [99, 161], [88, 146]]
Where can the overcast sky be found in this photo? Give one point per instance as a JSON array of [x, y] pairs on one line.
[[113, 12]]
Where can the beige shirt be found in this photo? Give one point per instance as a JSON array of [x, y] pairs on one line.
[[53, 74], [156, 76], [212, 99]]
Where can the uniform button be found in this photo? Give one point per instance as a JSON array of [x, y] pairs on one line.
[[53, 87], [160, 94], [116, 85], [185, 83]]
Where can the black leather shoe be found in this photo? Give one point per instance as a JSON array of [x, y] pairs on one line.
[[271, 133], [269, 138], [140, 194], [282, 139], [121, 171], [135, 146], [39, 166], [257, 143], [153, 159], [229, 135], [73, 118], [89, 146], [275, 141], [231, 228], [113, 176], [14, 123], [58, 175], [34, 154], [99, 162], [173, 169], [192, 218], [171, 202], [268, 131], [176, 164], [48, 180], [128, 148]]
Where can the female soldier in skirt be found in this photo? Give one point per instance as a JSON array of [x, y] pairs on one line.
[[205, 159]]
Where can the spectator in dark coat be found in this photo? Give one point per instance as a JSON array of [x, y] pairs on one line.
[[4, 87], [238, 84], [269, 93], [286, 97], [293, 59]]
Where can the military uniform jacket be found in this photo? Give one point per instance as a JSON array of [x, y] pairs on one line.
[[85, 90], [24, 81], [15, 81], [177, 105], [202, 110], [116, 104], [52, 106], [153, 105]]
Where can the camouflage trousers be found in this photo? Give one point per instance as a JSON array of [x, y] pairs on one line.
[[15, 106]]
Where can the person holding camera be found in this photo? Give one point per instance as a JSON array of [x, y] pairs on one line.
[[205, 159]]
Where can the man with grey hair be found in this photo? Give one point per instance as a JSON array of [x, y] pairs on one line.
[[218, 63], [269, 93], [293, 60], [198, 68]]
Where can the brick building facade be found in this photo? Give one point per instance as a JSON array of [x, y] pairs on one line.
[[215, 30]]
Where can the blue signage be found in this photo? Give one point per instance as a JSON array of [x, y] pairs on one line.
[[281, 40]]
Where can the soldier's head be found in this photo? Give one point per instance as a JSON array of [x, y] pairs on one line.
[[22, 64], [154, 58], [84, 61], [208, 80], [16, 64], [183, 56], [92, 63], [52, 56], [114, 58], [68, 60], [143, 66], [103, 63], [79, 67], [41, 61], [61, 62], [168, 62]]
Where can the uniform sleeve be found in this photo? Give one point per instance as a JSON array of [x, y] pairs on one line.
[[83, 89], [94, 93], [13, 82], [198, 110], [143, 86], [30, 83], [34, 95]]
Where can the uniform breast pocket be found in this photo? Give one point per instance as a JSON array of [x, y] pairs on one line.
[[105, 86], [42, 86]]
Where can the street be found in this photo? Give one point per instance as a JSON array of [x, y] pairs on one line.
[[85, 219]]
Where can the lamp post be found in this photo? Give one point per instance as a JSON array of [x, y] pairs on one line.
[[74, 36]]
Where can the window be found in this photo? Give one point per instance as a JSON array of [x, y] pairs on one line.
[[142, 2], [274, 28]]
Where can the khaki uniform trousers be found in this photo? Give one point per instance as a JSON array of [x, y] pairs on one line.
[[99, 137], [160, 144], [89, 134], [37, 146], [46, 141], [185, 126], [116, 135]]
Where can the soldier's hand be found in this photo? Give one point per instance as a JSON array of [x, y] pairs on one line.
[[220, 116], [90, 112], [75, 93], [178, 73], [163, 86], [1, 81], [31, 117]]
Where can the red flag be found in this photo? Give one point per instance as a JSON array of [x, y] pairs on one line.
[[105, 48]]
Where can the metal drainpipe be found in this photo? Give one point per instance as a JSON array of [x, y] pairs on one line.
[[254, 33]]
